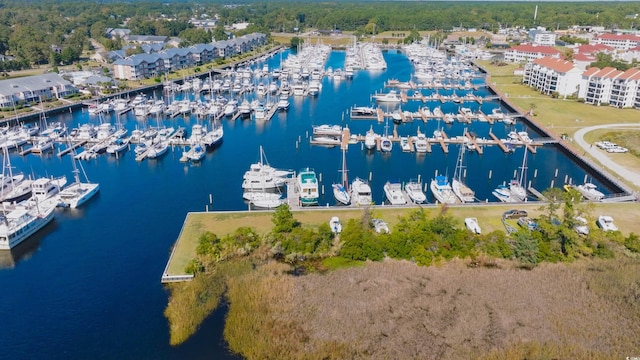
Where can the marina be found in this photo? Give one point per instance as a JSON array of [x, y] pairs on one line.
[[135, 217]]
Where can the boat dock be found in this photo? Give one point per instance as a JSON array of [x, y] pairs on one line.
[[476, 147], [407, 117], [498, 142], [443, 143], [72, 147]]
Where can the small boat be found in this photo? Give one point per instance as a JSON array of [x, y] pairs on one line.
[[394, 193], [606, 223], [196, 153], [283, 102], [332, 130], [335, 225], [415, 193], [43, 144], [404, 144], [472, 225], [363, 111], [117, 146]]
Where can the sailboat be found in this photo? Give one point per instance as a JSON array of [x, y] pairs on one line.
[[77, 193], [385, 142], [515, 191], [462, 191], [14, 188], [341, 190]]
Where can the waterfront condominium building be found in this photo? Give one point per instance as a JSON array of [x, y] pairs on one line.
[[618, 41], [551, 75], [611, 86], [529, 52], [33, 89]]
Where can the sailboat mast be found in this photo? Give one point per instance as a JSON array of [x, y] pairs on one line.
[[523, 169], [345, 180]]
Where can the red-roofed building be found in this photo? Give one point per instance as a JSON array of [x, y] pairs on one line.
[[617, 41], [593, 49], [529, 52], [582, 61], [551, 75], [611, 86]]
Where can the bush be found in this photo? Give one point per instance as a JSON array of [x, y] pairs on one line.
[[632, 242]]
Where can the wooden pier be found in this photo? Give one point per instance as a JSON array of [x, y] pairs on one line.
[[499, 142], [445, 147], [72, 148], [346, 136], [477, 147]]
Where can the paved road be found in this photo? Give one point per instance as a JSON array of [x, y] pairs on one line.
[[604, 157]]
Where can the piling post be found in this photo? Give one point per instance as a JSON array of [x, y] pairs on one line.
[[556, 174], [552, 181], [565, 179], [535, 173], [490, 173], [370, 176], [210, 199]]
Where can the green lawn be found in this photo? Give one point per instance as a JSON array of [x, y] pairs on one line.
[[489, 219]]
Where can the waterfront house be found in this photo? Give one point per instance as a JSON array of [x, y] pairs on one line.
[[530, 52], [33, 89], [138, 66], [617, 41], [551, 75]]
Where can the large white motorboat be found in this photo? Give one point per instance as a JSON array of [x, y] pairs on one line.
[[420, 142], [462, 191], [394, 193], [213, 137], [385, 143], [341, 190], [415, 193], [307, 186], [590, 192], [283, 102], [361, 192], [330, 130], [390, 97], [22, 221], [43, 144], [370, 139], [261, 176], [442, 191]]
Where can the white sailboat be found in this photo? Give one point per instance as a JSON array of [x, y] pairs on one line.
[[515, 191], [462, 191], [341, 190]]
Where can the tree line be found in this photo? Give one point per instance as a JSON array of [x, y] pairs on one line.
[[43, 32]]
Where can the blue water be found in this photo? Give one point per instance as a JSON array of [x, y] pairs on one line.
[[88, 286]]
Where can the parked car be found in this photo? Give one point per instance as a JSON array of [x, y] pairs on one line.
[[514, 214], [605, 223]]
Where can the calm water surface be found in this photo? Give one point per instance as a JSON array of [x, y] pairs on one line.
[[88, 286]]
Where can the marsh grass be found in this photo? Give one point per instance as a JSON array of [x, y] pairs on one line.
[[397, 310]]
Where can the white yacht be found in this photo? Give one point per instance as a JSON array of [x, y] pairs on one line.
[[20, 222], [394, 193], [390, 97], [370, 139], [590, 192], [283, 102], [442, 191], [515, 191], [45, 188], [420, 142], [361, 192], [307, 186], [415, 193]]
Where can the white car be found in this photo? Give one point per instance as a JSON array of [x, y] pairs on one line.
[[605, 223], [581, 226], [380, 226]]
